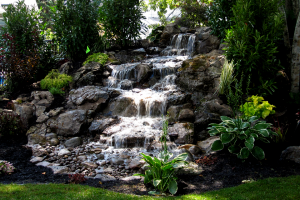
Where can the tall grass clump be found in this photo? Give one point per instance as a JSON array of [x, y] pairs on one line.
[[226, 77]]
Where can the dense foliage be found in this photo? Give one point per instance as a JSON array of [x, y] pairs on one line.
[[121, 25], [21, 45], [76, 27], [193, 12], [252, 41], [55, 81], [256, 106], [220, 17], [97, 57], [239, 135]]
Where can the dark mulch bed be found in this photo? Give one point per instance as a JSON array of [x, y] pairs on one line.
[[226, 171]]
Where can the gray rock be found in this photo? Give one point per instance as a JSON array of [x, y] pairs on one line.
[[105, 177], [44, 164], [87, 98], [70, 122], [66, 68], [50, 136], [25, 111], [195, 150], [54, 142], [39, 110], [42, 98], [183, 133], [42, 118], [291, 153], [186, 115], [205, 145], [132, 178], [82, 158], [73, 142], [59, 169], [36, 159], [63, 152], [190, 169], [99, 125]]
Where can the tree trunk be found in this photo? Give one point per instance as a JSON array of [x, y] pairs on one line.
[[295, 66]]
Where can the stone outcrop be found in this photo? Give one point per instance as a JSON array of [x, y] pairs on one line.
[[292, 153], [91, 74], [87, 98]]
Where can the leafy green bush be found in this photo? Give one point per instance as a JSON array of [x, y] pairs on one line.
[[226, 77], [256, 106], [121, 25], [97, 57], [11, 125], [21, 22], [21, 45], [193, 12], [240, 134], [76, 27], [55, 81], [156, 33], [220, 16], [161, 173], [258, 25]]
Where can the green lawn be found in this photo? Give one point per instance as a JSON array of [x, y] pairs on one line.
[[272, 188]]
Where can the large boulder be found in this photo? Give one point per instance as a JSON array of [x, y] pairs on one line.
[[291, 153], [25, 111], [205, 41], [99, 125], [122, 106], [87, 98], [182, 133], [37, 134], [91, 74], [201, 74], [70, 123]]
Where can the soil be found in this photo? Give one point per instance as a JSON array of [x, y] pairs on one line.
[[221, 170]]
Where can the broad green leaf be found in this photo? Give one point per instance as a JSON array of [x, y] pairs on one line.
[[148, 176], [166, 167], [258, 153], [260, 126], [226, 138], [217, 145], [179, 164], [234, 149], [213, 132], [173, 186], [143, 175], [264, 132], [242, 137], [264, 140], [148, 159], [244, 153], [180, 157], [254, 135], [249, 142], [253, 118], [156, 182], [223, 118], [213, 124], [273, 133], [245, 125]]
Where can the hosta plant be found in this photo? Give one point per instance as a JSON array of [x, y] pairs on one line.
[[161, 173], [239, 134], [6, 167]]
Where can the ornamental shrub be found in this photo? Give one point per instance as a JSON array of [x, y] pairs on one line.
[[55, 81], [258, 25], [21, 45], [239, 134], [256, 106], [97, 57], [6, 167], [121, 20], [76, 27], [220, 16]]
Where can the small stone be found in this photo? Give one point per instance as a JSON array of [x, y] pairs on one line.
[[63, 152], [36, 159]]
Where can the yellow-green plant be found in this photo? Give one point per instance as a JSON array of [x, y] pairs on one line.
[[226, 77], [54, 79], [97, 57], [256, 106]]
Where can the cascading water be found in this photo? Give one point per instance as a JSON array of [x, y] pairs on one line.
[[141, 131], [181, 44]]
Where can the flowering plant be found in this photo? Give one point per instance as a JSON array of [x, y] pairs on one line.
[[6, 167]]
